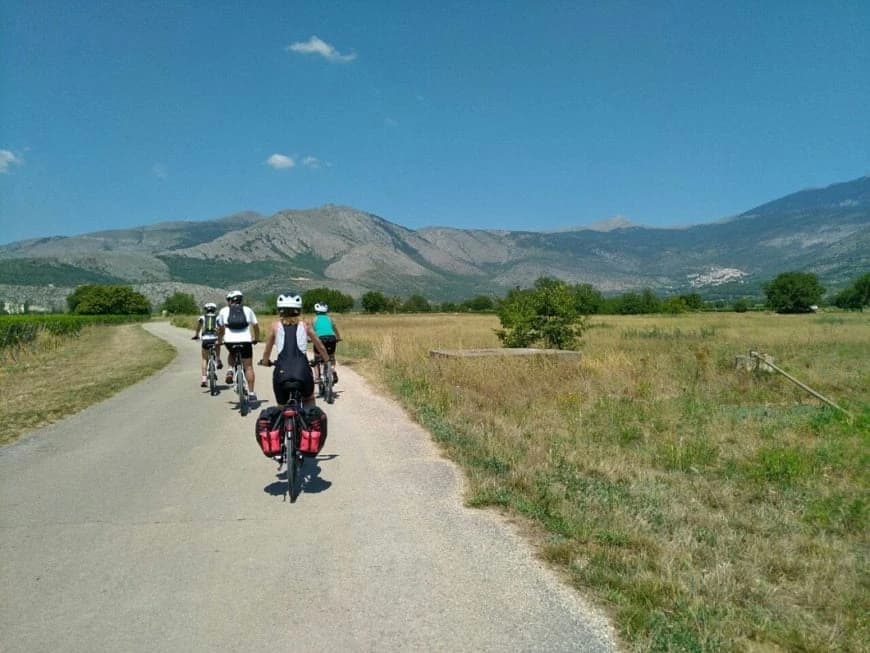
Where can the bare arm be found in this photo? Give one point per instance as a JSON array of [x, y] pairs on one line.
[[337, 332], [270, 342]]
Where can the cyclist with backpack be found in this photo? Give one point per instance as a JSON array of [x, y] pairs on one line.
[[207, 325], [289, 335], [329, 335], [238, 325]]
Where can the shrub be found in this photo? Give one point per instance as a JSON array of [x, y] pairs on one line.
[[180, 303], [107, 300], [545, 314]]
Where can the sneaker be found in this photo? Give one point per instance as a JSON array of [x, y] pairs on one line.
[[203, 382], [229, 378], [252, 398], [220, 365], [334, 377]]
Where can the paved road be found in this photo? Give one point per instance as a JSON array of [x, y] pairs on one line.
[[152, 522]]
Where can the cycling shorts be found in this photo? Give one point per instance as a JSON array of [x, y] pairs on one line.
[[246, 347], [329, 343], [282, 389]]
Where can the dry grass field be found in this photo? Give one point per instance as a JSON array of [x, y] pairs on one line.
[[705, 507], [61, 375]]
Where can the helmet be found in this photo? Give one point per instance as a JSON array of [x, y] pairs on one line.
[[321, 308], [209, 307], [234, 295], [289, 300]]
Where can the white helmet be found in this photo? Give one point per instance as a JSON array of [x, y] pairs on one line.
[[321, 308], [290, 301], [233, 295], [210, 307]]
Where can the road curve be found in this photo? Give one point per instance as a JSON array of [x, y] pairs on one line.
[[152, 522]]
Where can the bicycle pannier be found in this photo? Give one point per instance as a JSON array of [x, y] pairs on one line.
[[268, 431], [237, 318], [313, 435]]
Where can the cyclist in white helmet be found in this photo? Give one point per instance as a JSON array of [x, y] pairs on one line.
[[238, 326], [209, 327], [326, 329], [289, 335]]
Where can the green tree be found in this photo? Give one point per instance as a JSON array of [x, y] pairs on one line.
[[674, 305], [479, 304], [856, 296], [180, 303], [96, 299], [588, 300], [375, 302], [741, 305], [416, 304], [545, 314], [693, 301], [337, 301], [794, 292]]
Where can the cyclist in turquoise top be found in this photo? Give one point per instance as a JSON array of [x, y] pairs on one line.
[[329, 335]]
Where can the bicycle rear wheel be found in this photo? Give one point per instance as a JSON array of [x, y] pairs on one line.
[[212, 375], [326, 378], [241, 391]]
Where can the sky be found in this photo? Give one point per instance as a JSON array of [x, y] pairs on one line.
[[483, 114]]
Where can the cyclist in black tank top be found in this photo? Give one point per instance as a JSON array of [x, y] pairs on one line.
[[290, 334]]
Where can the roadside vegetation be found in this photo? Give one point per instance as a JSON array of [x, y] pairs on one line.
[[706, 507], [63, 364]]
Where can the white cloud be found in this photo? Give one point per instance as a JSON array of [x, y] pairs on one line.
[[316, 46], [311, 162], [280, 161], [159, 171], [7, 160]]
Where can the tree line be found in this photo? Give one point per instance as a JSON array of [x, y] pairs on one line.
[[789, 292]]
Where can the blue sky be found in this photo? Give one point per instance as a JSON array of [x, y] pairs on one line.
[[509, 115]]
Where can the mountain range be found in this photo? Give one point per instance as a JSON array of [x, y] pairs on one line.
[[825, 231]]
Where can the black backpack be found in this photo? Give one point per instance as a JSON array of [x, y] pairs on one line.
[[237, 318]]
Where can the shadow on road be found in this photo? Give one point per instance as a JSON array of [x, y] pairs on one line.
[[312, 483]]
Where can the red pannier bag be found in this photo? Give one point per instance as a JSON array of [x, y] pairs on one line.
[[268, 431], [313, 435]]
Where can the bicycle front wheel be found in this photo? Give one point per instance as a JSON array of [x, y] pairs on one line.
[[294, 466]]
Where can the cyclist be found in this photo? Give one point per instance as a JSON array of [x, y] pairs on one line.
[[238, 325], [208, 326], [289, 335], [329, 335]]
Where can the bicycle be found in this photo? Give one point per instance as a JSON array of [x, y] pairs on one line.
[[240, 383], [326, 376], [293, 429], [211, 365], [326, 380]]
